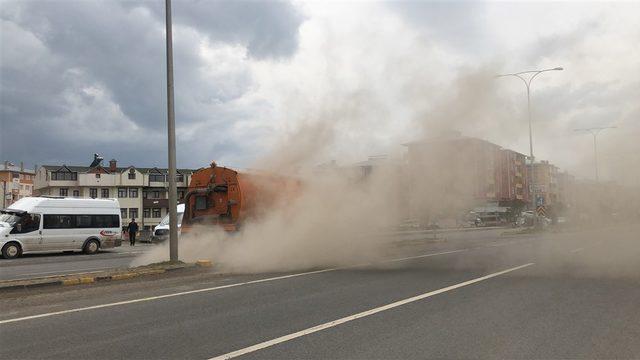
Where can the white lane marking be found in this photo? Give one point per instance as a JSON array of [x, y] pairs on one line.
[[509, 243], [160, 297], [343, 320], [425, 255], [577, 250], [498, 244], [192, 292]]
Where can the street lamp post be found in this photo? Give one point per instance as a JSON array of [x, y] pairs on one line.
[[595, 131], [527, 77], [171, 132]]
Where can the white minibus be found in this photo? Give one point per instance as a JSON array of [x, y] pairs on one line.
[[45, 224]]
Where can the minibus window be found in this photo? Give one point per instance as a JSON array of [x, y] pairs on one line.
[[83, 221], [27, 224], [106, 221], [58, 221]]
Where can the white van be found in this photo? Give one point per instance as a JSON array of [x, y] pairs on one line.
[[42, 224], [161, 231]]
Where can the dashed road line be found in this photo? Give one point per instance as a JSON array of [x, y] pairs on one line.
[[182, 293], [370, 312]]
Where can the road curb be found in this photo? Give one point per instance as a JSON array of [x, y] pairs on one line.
[[83, 279]]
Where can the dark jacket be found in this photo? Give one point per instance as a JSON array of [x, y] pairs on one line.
[[133, 227]]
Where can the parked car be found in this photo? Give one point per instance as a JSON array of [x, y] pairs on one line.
[[46, 224]]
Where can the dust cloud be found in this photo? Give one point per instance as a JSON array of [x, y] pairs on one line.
[[347, 213], [336, 219]]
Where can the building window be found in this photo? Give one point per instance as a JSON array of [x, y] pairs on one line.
[[146, 213], [201, 203], [104, 193], [155, 194], [64, 175], [156, 177], [180, 178], [133, 213], [156, 212], [64, 192], [76, 193], [180, 195], [97, 176], [93, 193], [145, 194], [133, 192], [123, 213], [122, 192], [132, 174]]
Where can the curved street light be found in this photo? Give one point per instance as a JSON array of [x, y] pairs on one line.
[[594, 131], [527, 77]]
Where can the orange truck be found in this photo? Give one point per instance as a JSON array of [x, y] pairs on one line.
[[227, 198]]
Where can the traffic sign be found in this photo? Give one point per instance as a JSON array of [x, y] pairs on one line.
[[541, 211]]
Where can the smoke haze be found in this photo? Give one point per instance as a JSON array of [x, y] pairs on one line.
[[371, 97]]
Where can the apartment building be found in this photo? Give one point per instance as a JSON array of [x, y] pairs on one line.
[[16, 182], [513, 179], [566, 189], [142, 192], [545, 183], [450, 174]]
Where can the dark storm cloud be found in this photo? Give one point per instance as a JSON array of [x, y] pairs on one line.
[[71, 70], [266, 28]]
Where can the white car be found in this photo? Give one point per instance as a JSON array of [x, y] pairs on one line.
[[45, 224], [161, 231]]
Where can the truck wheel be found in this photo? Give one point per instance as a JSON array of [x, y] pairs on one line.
[[91, 247], [11, 250]]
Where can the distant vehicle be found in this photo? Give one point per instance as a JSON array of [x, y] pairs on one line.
[[161, 231], [46, 224], [525, 219], [490, 219], [223, 197]]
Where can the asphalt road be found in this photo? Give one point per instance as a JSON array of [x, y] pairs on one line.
[[56, 263], [566, 295]]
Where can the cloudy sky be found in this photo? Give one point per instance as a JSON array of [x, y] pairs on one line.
[[311, 82]]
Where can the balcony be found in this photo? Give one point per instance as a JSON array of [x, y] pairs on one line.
[[155, 203]]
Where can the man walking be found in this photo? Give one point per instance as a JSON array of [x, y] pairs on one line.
[[132, 228]]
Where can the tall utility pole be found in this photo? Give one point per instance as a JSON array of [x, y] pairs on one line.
[[4, 194], [594, 131], [527, 77], [171, 130]]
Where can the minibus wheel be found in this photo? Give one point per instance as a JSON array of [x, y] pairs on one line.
[[91, 247], [11, 250]]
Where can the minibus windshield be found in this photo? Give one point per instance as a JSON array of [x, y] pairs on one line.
[[9, 218], [165, 220]]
